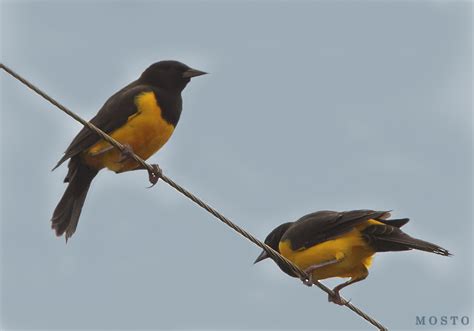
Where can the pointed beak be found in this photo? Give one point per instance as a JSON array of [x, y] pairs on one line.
[[261, 257], [193, 73]]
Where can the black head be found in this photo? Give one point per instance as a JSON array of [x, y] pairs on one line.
[[273, 239], [169, 75]]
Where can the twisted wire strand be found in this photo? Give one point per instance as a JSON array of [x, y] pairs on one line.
[[270, 251]]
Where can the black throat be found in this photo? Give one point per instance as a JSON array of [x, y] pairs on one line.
[[171, 104], [273, 240]]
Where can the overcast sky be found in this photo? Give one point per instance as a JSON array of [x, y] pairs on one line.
[[309, 106]]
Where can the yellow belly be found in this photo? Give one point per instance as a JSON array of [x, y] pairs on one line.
[[145, 132], [353, 252]]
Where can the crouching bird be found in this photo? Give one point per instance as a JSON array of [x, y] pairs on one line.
[[141, 116], [341, 244]]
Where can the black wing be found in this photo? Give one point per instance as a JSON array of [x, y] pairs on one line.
[[113, 114], [321, 226]]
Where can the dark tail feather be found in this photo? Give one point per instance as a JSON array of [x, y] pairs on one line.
[[385, 238], [396, 223], [413, 243], [67, 212], [64, 158]]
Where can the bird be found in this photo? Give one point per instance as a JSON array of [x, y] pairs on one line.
[[328, 244], [141, 116]]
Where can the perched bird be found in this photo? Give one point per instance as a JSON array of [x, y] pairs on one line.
[[341, 244], [142, 116]]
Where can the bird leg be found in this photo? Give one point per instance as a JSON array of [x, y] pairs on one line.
[[336, 297], [153, 175], [126, 153], [102, 151], [314, 267]]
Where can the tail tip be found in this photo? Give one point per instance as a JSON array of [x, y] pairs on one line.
[[442, 251]]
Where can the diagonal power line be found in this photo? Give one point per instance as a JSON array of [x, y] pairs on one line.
[[270, 251]]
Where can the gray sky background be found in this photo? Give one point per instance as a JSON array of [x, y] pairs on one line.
[[309, 106]]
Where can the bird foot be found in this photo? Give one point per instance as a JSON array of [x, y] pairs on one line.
[[336, 298], [154, 175], [308, 281]]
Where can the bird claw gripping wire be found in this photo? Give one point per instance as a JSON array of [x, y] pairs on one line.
[[154, 176], [308, 281], [336, 298]]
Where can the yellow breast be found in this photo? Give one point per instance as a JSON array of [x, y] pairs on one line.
[[350, 248], [145, 132]]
